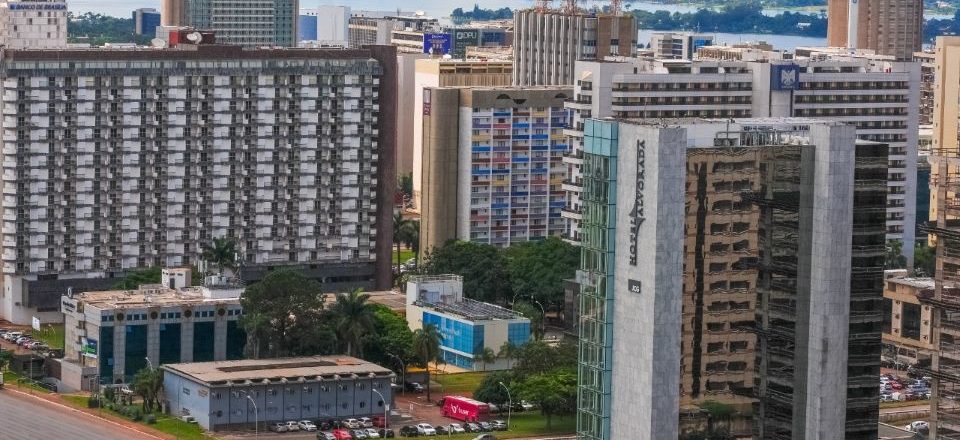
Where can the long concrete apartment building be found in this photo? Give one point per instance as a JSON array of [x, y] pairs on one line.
[[493, 164], [241, 22], [878, 95], [116, 160]]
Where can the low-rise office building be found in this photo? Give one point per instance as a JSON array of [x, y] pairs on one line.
[[237, 394], [907, 320], [110, 335], [468, 326]]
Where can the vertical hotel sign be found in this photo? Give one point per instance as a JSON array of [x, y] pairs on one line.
[[637, 216], [426, 102]]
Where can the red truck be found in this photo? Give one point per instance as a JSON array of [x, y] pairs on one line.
[[465, 409]]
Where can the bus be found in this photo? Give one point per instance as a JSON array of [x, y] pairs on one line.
[[465, 409]]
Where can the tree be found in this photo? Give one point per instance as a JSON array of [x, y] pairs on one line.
[[403, 233], [895, 258], [490, 390], [485, 357], [508, 351], [412, 238], [6, 356], [537, 357], [222, 252], [148, 384], [391, 337], [405, 186], [485, 277], [426, 346], [539, 268], [555, 392], [354, 319], [284, 316], [135, 279], [534, 314], [925, 260]]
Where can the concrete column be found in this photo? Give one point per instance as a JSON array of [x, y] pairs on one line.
[[119, 349], [153, 341], [220, 339], [186, 340]]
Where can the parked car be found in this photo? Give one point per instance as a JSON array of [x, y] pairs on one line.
[[485, 426], [352, 424], [409, 431], [499, 425], [293, 426], [386, 433], [379, 422], [342, 434], [372, 433], [485, 437], [456, 428], [414, 387], [443, 430], [917, 426], [526, 406], [279, 427], [471, 427], [326, 435], [359, 434], [306, 425], [366, 422], [426, 429]]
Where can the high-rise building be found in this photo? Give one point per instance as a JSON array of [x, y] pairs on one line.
[[33, 24], [547, 43], [879, 96], [439, 72], [944, 229], [325, 25], [145, 21], [492, 164], [820, 287], [288, 152], [678, 45], [240, 22], [889, 27], [927, 62]]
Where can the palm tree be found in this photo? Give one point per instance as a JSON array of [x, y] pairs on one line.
[[148, 384], [895, 258], [509, 352], [401, 234], [426, 346], [411, 238], [354, 318], [485, 357], [221, 252]]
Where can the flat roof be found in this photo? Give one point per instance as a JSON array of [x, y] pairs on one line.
[[920, 283], [148, 295], [185, 52], [472, 310], [298, 369]]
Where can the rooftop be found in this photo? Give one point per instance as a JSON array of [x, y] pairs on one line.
[[147, 295], [920, 283], [286, 370], [184, 52], [472, 310]]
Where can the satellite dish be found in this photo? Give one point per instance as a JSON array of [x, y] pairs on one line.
[[194, 37], [159, 43]]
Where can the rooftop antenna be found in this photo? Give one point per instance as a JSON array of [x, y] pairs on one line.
[[570, 6], [542, 5]]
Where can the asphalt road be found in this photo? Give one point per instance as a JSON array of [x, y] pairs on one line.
[[23, 417]]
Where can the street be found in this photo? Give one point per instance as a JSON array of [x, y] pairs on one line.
[[25, 417]]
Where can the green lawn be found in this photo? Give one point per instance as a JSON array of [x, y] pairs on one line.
[[13, 379], [529, 424], [166, 424], [52, 335], [405, 254], [459, 383]]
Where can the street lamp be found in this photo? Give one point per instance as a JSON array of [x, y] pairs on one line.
[[256, 413], [403, 373], [149, 364], [386, 407], [509, 403], [543, 316]]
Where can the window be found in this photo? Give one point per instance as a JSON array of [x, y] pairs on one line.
[[186, 391]]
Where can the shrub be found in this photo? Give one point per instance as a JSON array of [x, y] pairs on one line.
[[93, 402], [150, 419]]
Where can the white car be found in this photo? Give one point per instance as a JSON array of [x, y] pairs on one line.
[[372, 433], [365, 422], [426, 429], [456, 428], [306, 425], [352, 424], [917, 426], [293, 426], [279, 427], [527, 406]]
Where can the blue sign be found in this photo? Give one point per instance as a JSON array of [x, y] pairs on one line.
[[436, 44], [784, 77]]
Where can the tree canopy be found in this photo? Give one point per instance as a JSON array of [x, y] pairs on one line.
[[555, 392], [284, 316], [485, 277], [538, 268]]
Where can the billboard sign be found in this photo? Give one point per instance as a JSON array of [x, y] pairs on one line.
[[463, 38], [784, 77], [88, 347], [436, 44]]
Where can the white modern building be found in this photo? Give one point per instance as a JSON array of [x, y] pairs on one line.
[[876, 94], [467, 326], [678, 45], [324, 25], [142, 161], [33, 24]]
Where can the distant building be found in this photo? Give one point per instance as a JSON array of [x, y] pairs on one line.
[[246, 23], [439, 72], [145, 21], [492, 164], [325, 25], [907, 321], [33, 24], [928, 69], [110, 335], [236, 394], [888, 27], [467, 326], [462, 38], [547, 44], [408, 32], [678, 45]]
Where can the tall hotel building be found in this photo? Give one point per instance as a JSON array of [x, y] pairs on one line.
[[241, 22], [784, 210], [547, 43], [493, 164], [33, 24], [115, 160], [889, 27]]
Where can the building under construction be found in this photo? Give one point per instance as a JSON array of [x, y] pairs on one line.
[[944, 230], [548, 42]]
